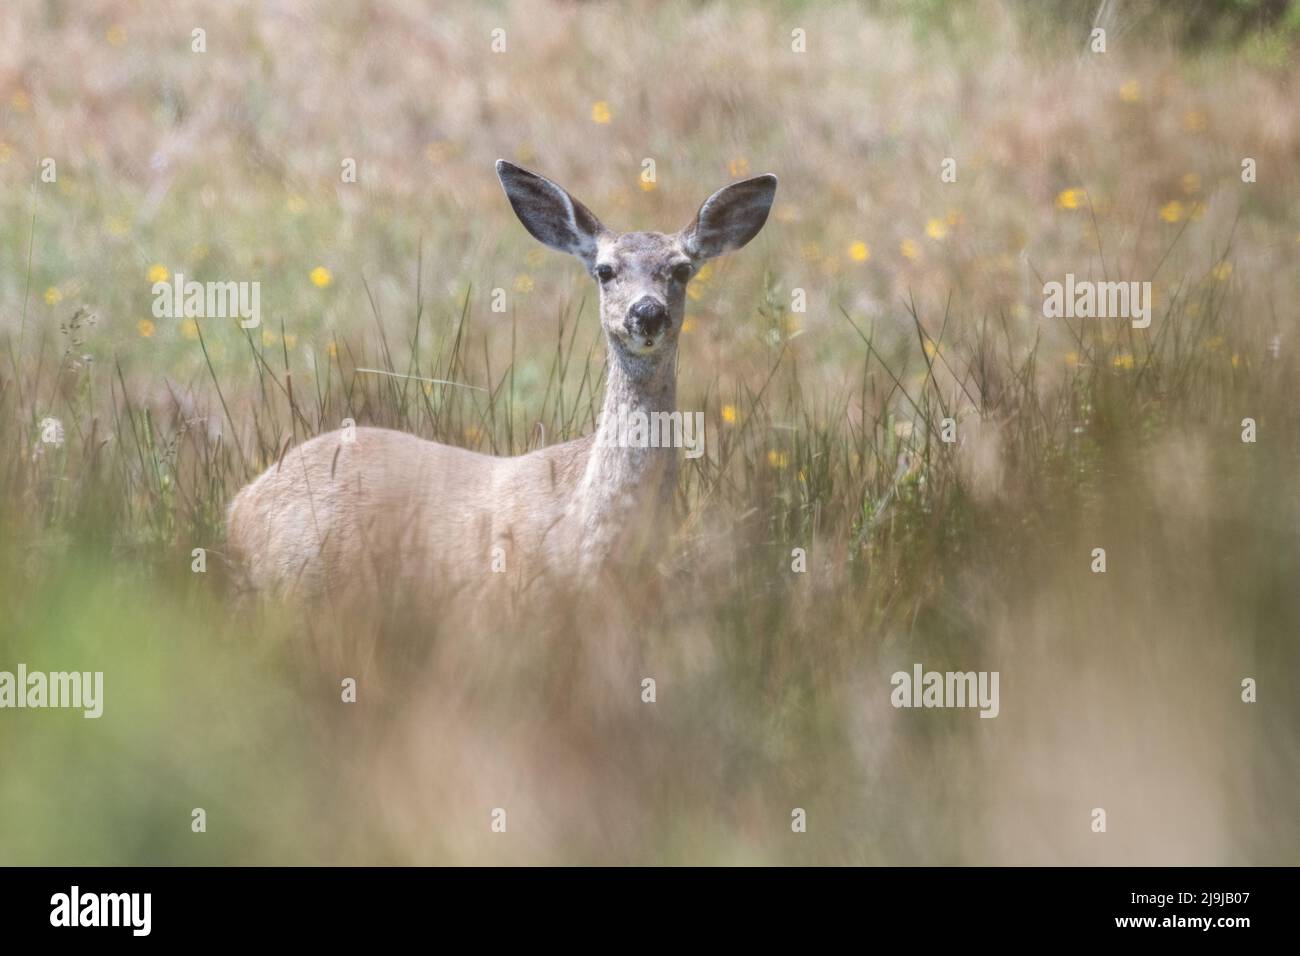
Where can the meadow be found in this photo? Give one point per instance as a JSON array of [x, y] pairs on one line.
[[891, 290]]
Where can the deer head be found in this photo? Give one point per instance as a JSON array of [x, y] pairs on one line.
[[641, 276]]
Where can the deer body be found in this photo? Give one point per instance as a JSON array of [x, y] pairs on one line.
[[389, 510]]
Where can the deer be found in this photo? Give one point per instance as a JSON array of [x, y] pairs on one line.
[[376, 508]]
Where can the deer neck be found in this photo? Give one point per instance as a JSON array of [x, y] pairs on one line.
[[627, 486]]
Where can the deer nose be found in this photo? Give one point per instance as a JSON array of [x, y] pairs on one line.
[[647, 317]]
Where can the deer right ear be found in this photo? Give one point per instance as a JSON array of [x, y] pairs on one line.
[[550, 214]]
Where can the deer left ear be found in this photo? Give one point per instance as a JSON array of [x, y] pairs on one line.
[[730, 217]]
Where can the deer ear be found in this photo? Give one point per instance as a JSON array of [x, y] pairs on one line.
[[730, 217], [550, 214]]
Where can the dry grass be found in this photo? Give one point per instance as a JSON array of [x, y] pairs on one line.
[[924, 301]]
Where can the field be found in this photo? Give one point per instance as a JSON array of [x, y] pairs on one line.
[[891, 290]]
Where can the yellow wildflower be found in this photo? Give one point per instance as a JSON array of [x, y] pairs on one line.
[[1071, 198]]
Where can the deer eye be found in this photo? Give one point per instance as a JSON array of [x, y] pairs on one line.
[[604, 272], [682, 272]]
